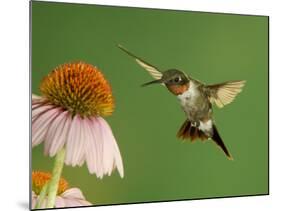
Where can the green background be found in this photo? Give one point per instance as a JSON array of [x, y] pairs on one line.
[[210, 47]]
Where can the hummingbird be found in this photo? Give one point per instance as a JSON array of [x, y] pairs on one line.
[[196, 100]]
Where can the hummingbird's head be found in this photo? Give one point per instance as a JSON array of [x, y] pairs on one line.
[[175, 80]]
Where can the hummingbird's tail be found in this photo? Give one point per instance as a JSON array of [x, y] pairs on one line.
[[189, 131]]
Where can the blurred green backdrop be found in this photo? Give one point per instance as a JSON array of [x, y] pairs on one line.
[[210, 47]]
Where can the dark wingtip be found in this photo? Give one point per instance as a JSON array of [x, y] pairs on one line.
[[125, 50], [119, 46]]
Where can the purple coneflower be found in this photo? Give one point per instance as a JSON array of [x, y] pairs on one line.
[[65, 196], [68, 119], [69, 114]]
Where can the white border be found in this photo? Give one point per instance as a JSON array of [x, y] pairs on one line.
[[14, 45]]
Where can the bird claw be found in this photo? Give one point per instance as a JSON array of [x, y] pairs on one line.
[[195, 124]]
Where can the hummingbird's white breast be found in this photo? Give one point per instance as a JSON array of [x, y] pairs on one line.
[[194, 110], [188, 98]]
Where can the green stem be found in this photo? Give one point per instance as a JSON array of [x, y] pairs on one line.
[[41, 196], [54, 182]]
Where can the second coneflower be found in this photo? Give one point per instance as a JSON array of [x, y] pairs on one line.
[[69, 115], [65, 196]]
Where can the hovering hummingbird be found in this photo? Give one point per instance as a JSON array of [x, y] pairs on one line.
[[196, 99]]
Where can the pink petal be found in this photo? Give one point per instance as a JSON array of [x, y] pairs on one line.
[[33, 200], [72, 136], [73, 193], [41, 125], [75, 142], [36, 97], [57, 133], [82, 141], [110, 149], [73, 197], [82, 160], [94, 149], [84, 202], [57, 145], [72, 202], [59, 202], [98, 141], [40, 109], [36, 104], [33, 194]]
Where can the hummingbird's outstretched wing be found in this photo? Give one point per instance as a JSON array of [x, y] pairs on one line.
[[224, 93], [152, 70]]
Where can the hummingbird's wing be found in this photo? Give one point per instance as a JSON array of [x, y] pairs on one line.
[[224, 93], [152, 70]]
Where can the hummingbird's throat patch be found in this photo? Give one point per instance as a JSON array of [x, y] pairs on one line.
[[178, 89]]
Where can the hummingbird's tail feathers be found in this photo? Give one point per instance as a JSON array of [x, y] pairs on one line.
[[217, 139], [188, 131]]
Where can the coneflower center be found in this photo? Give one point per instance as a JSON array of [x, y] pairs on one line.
[[80, 88], [39, 179]]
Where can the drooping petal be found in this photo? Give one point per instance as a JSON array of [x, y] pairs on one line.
[[36, 97], [36, 104], [87, 136], [74, 144], [111, 153], [41, 124], [40, 109], [81, 154], [73, 193], [73, 202], [38, 100], [57, 146], [33, 200], [59, 202], [82, 159], [57, 134], [100, 145], [84, 202], [94, 149], [108, 150], [74, 197]]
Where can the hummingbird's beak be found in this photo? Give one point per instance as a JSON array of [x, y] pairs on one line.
[[153, 82]]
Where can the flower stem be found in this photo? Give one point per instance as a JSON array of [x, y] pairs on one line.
[[54, 182], [41, 196]]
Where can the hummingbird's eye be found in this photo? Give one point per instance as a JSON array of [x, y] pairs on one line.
[[177, 79]]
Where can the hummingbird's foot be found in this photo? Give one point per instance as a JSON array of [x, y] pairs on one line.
[[195, 124]]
